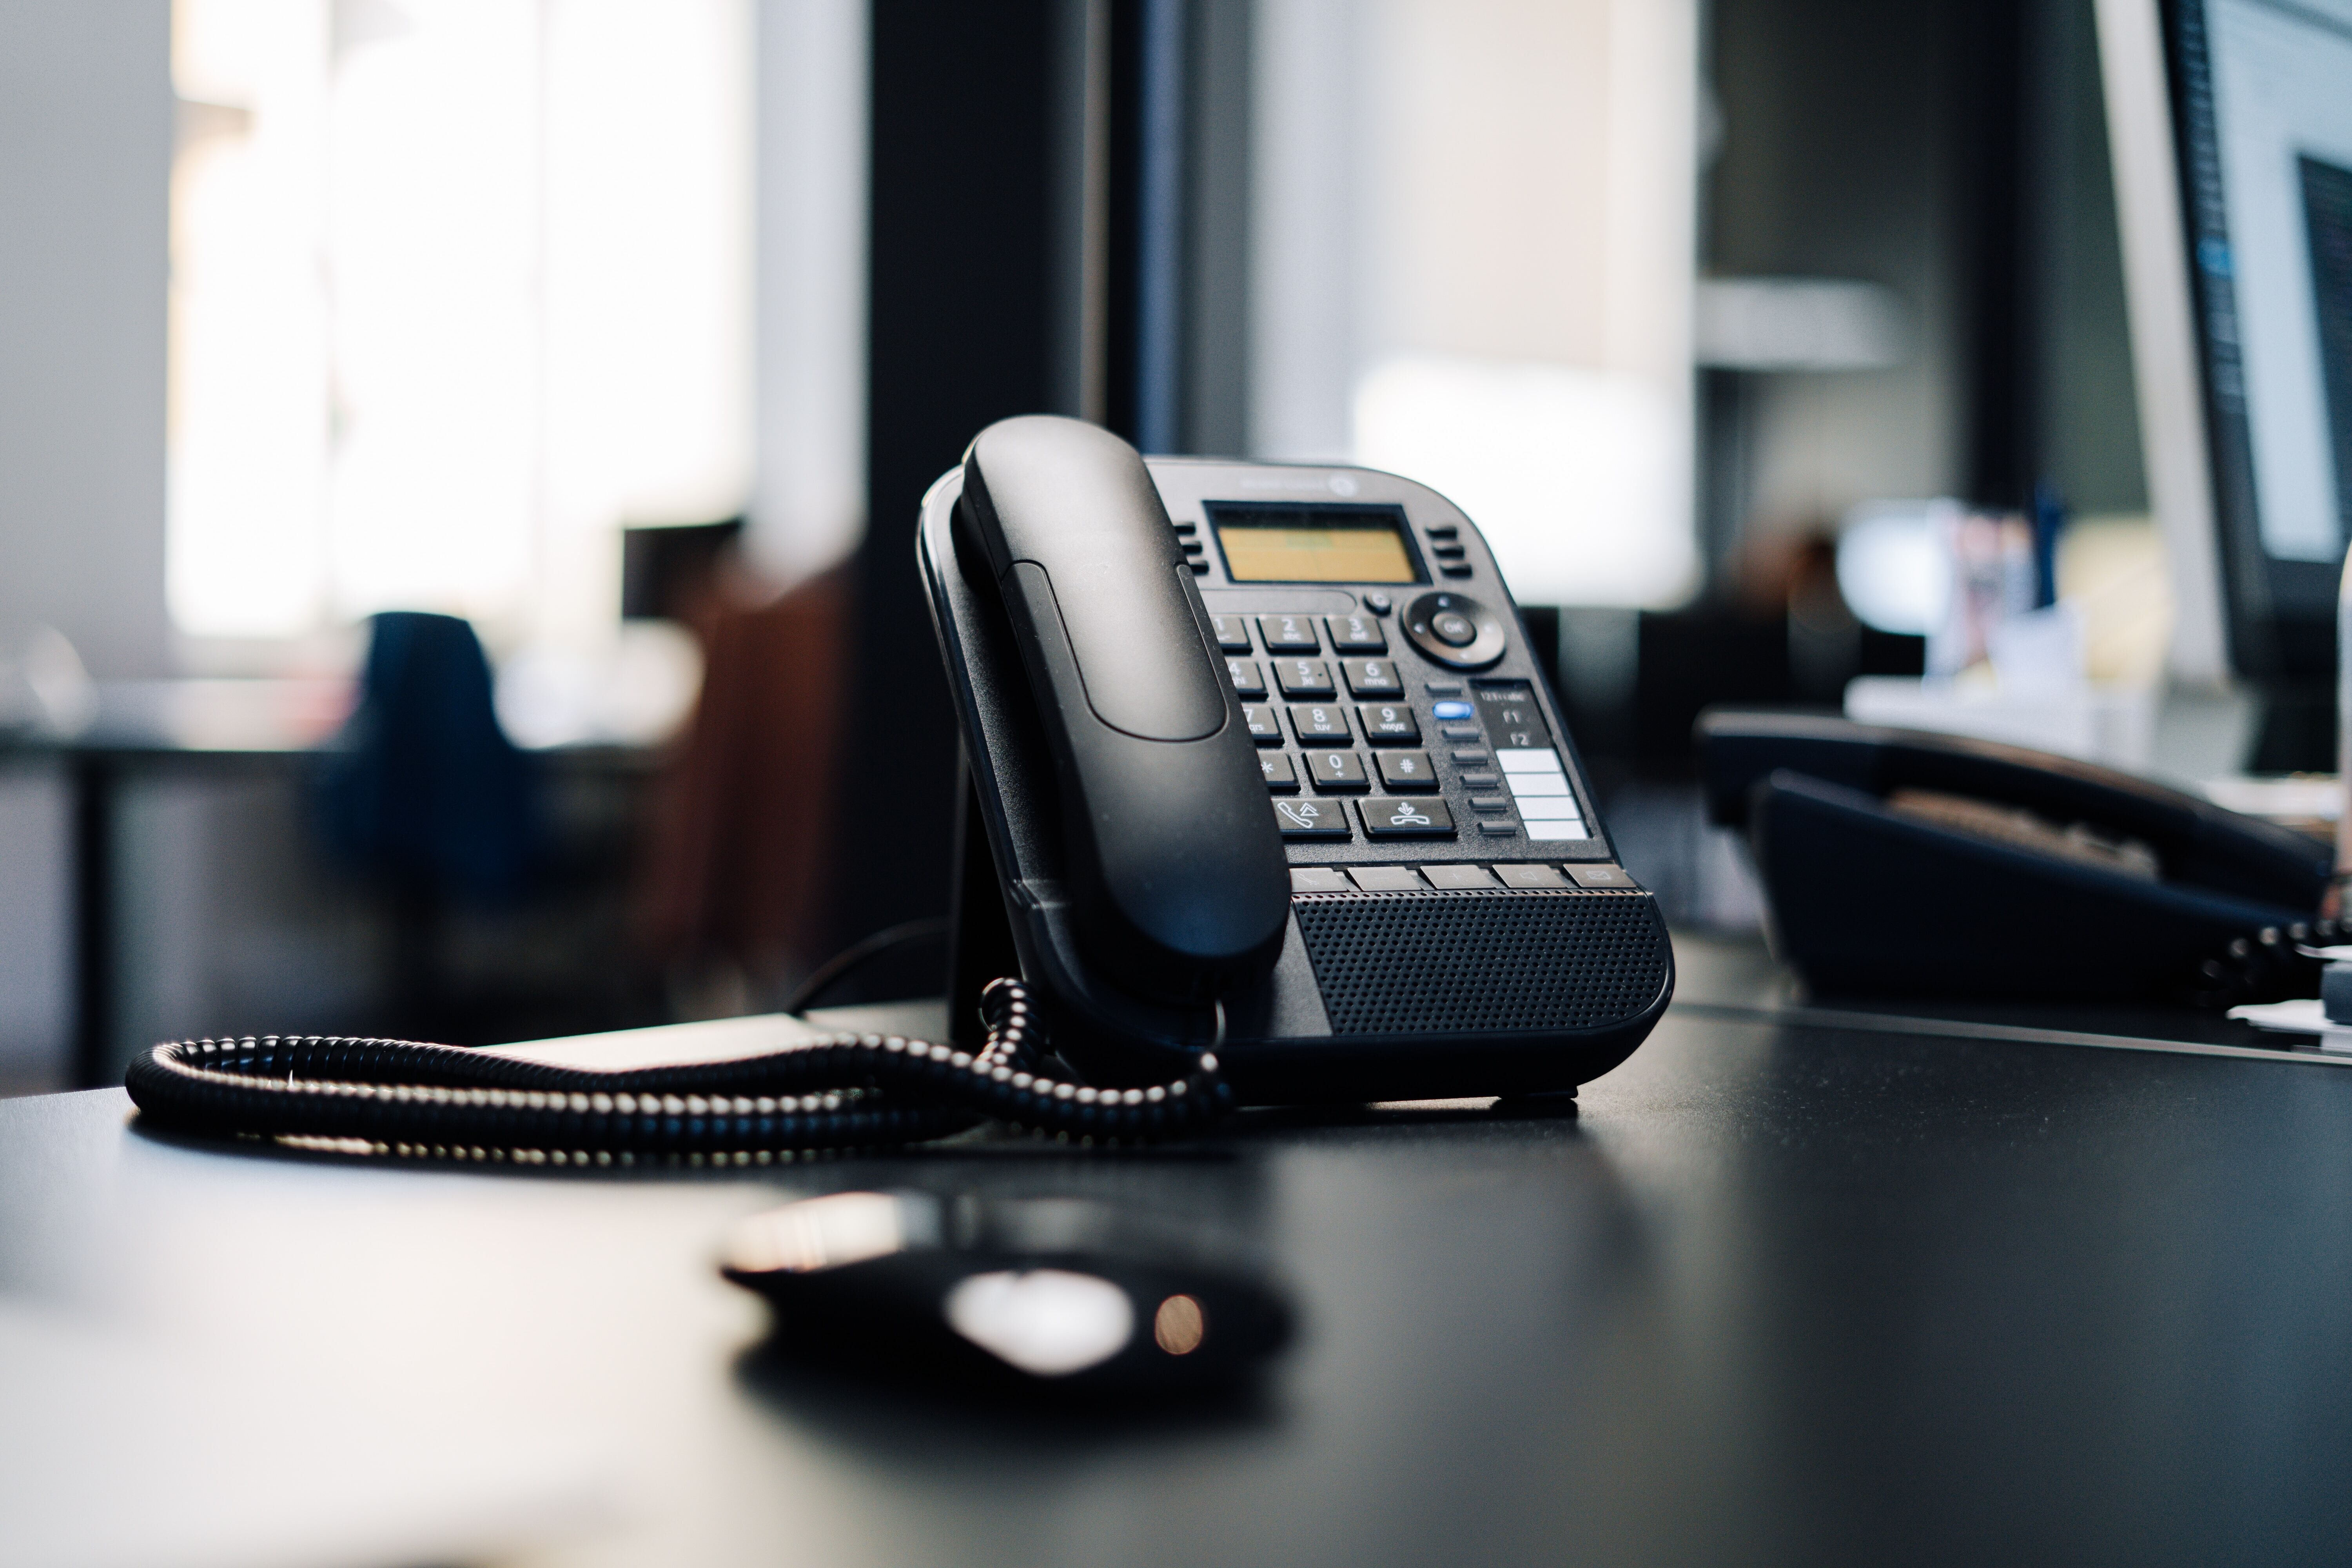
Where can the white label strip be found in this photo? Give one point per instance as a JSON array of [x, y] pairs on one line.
[[1525, 785], [1550, 808], [1527, 759], [1549, 830]]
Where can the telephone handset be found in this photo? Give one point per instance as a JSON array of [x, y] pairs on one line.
[[1176, 874], [1260, 758], [1904, 863]]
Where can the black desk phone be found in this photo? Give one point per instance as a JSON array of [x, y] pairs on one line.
[[1267, 802], [1898, 863], [1259, 759]]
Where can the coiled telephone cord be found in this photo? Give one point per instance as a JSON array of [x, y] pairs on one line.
[[838, 1091]]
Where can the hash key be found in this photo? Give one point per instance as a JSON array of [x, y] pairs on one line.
[[1407, 772], [1304, 677]]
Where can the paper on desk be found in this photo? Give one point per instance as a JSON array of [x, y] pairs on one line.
[[2305, 1015]]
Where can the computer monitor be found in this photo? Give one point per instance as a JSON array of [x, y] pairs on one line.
[[2230, 128]]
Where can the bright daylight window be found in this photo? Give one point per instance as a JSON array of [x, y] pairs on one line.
[[1476, 268], [458, 287]]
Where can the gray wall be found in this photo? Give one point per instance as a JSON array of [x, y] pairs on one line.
[[86, 133]]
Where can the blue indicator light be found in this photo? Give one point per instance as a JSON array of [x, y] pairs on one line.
[[1453, 709]]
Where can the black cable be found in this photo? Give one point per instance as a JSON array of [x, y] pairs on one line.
[[857, 953], [2268, 965], [837, 1091]]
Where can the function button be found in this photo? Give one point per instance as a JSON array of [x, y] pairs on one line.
[[1454, 629], [1601, 876], [1442, 530], [1185, 528], [1233, 632], [1356, 634], [1387, 817], [1311, 724], [1458, 731], [1490, 802], [1450, 569], [1387, 724], [1387, 879], [1264, 728], [1447, 551], [1453, 709], [1191, 546], [1379, 603], [1337, 772], [1311, 818], [1442, 688], [1319, 879], [1304, 677], [1288, 634], [1513, 717], [1472, 756], [1474, 780], [1457, 876], [1373, 678], [1280, 777], [1247, 678], [1198, 563], [1497, 826], [1525, 876], [1407, 772]]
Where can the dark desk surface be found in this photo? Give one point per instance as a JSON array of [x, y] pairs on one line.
[[1782, 1293]]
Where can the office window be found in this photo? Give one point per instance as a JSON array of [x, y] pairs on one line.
[[460, 287], [1475, 262]]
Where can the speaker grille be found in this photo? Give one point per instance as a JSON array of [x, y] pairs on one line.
[[1470, 962]]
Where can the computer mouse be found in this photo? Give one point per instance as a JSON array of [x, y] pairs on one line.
[[1070, 1295]]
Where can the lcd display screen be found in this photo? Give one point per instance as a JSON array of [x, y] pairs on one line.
[[1313, 543]]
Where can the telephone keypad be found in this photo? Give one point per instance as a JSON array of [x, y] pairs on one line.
[[1392, 817], [1280, 777], [1407, 772], [1356, 634], [1313, 724], [1288, 634], [1373, 678], [1337, 772], [1246, 676], [1304, 677], [1387, 724], [1308, 817], [1233, 632], [1263, 727]]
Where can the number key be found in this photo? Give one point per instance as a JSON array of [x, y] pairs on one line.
[[1313, 724], [1259, 718], [1406, 772], [1373, 678], [1356, 634], [1233, 632], [1304, 677], [1288, 634], [1246, 680], [1337, 772], [1389, 724]]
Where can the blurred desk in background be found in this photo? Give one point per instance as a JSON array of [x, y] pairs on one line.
[[166, 770]]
